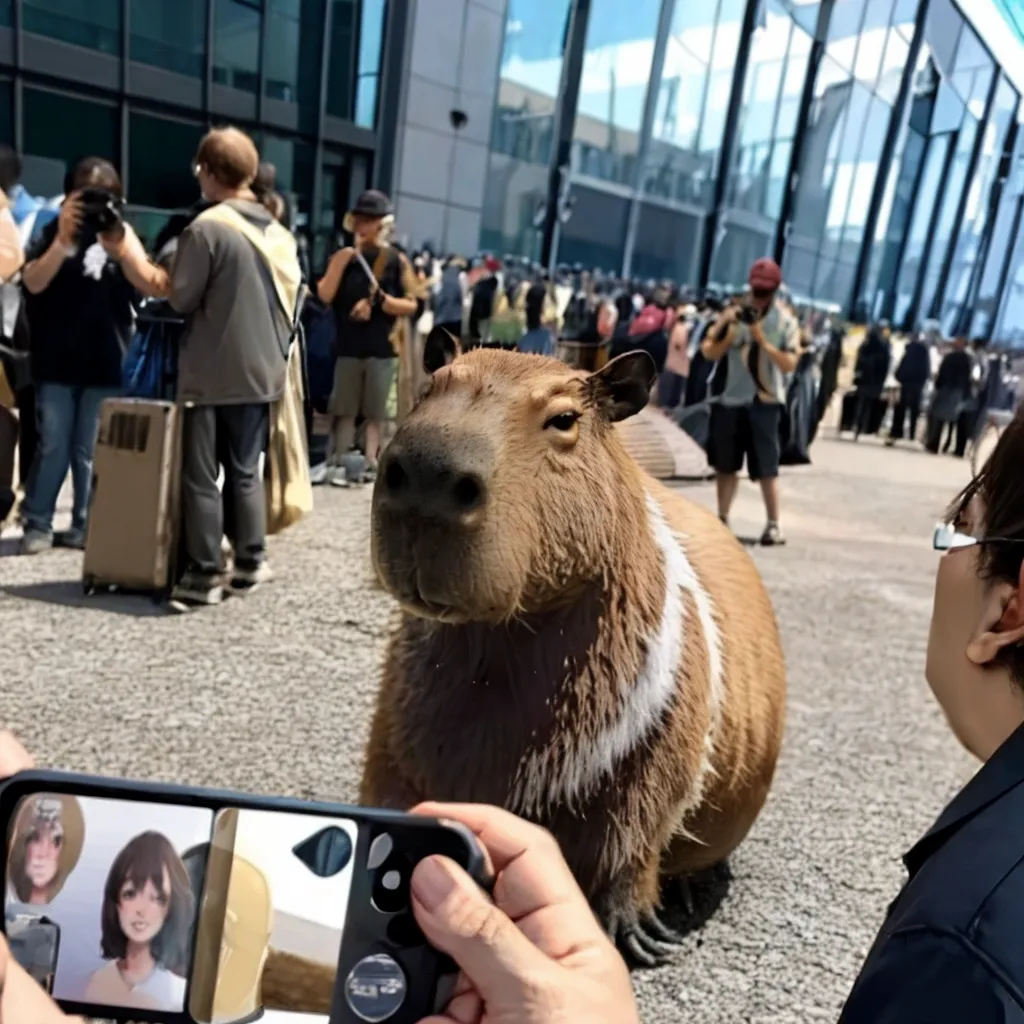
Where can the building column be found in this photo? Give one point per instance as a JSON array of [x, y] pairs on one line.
[[803, 115], [961, 206], [855, 304], [1007, 267], [316, 200], [732, 119], [668, 8], [393, 75], [573, 53]]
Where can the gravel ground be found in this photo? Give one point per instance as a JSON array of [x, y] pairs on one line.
[[273, 694]]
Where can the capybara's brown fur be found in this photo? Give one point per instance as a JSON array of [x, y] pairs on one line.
[[577, 642], [296, 984]]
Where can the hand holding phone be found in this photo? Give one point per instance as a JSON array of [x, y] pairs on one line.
[[149, 902]]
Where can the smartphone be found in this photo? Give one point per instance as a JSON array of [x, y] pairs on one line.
[[133, 901]]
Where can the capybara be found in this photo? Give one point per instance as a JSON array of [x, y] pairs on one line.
[[577, 642]]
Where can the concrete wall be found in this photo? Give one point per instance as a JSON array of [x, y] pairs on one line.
[[453, 60]]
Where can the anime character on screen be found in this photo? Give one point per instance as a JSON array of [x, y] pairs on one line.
[[146, 928], [46, 842]]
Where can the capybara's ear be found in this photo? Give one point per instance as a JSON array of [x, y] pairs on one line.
[[622, 387], [440, 349]]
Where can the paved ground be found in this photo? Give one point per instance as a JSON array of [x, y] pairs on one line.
[[274, 695]]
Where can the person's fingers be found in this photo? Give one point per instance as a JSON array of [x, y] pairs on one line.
[[532, 873], [21, 999], [458, 919], [13, 756]]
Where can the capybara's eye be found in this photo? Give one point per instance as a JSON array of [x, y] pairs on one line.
[[563, 421]]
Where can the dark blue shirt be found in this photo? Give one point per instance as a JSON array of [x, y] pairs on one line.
[[951, 950]]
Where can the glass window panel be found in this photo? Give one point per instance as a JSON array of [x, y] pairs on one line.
[[236, 44], [616, 70], [292, 69], [666, 243], [295, 162], [735, 252], [941, 30], [161, 152], [7, 12], [169, 34], [87, 129], [94, 24], [341, 62], [778, 169], [843, 29], [6, 112], [792, 90], [594, 235], [872, 41], [948, 112], [798, 269], [521, 137], [890, 74], [371, 44]]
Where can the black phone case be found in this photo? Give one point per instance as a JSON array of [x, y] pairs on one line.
[[369, 933]]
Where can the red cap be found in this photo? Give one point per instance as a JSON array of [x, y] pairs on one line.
[[765, 275], [492, 264]]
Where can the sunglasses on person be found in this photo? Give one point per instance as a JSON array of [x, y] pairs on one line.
[[948, 538]]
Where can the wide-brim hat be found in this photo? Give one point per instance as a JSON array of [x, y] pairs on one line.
[[371, 203]]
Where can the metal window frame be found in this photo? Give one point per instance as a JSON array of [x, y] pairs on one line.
[[935, 310], [899, 110]]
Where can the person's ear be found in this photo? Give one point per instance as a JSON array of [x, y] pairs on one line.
[[440, 349], [1001, 624]]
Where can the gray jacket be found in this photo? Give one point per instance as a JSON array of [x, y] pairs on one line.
[[233, 350]]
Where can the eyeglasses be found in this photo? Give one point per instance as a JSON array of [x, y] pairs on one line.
[[948, 538]]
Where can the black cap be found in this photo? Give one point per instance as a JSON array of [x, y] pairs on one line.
[[372, 203]]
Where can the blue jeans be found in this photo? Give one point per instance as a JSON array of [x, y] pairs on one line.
[[68, 418]]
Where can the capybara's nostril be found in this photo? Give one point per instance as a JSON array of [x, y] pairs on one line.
[[395, 477], [468, 492]]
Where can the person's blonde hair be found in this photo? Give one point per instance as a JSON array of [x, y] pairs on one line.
[[230, 156]]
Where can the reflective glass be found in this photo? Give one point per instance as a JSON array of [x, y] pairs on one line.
[[169, 34], [522, 133], [986, 302], [236, 44], [371, 45], [6, 112], [955, 183], [341, 60], [910, 268], [595, 234], [94, 24], [87, 128], [871, 43], [295, 162], [292, 69], [161, 151], [7, 12], [968, 246], [666, 245], [894, 60], [616, 71], [736, 250], [1009, 329], [942, 30], [843, 29]]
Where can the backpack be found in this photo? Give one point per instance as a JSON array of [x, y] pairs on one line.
[[649, 320], [150, 367]]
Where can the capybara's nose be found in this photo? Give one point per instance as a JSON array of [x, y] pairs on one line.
[[441, 482]]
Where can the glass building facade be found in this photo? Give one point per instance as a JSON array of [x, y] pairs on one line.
[[140, 81], [873, 147]]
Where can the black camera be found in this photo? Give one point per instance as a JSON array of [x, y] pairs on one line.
[[101, 209], [748, 314]]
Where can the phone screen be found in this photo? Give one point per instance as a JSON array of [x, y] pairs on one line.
[[179, 909]]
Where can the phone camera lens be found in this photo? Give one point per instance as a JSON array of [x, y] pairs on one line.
[[391, 884]]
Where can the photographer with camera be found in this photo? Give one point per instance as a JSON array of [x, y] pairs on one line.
[[79, 308], [755, 343]]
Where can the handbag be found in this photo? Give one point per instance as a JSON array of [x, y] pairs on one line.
[[289, 491]]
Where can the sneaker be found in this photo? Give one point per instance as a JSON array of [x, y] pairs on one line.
[[772, 536], [245, 581], [369, 474], [338, 476], [890, 442], [195, 588], [73, 538], [35, 542], [319, 473]]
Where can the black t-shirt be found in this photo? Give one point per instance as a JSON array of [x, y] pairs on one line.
[[535, 306], [81, 324], [367, 339]]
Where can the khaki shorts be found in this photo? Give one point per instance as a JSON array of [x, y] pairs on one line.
[[362, 387]]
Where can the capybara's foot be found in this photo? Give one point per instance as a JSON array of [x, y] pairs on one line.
[[646, 941]]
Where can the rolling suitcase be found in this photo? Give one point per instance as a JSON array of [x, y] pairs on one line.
[[134, 507]]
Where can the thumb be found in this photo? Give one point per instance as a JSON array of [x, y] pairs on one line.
[[457, 918]]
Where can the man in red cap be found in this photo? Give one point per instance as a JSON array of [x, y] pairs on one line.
[[756, 341]]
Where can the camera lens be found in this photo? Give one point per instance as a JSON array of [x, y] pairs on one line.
[[391, 884]]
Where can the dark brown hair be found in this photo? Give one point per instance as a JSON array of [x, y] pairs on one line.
[[230, 156], [95, 172], [146, 859], [1000, 486]]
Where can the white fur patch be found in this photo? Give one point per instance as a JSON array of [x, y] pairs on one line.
[[568, 774]]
